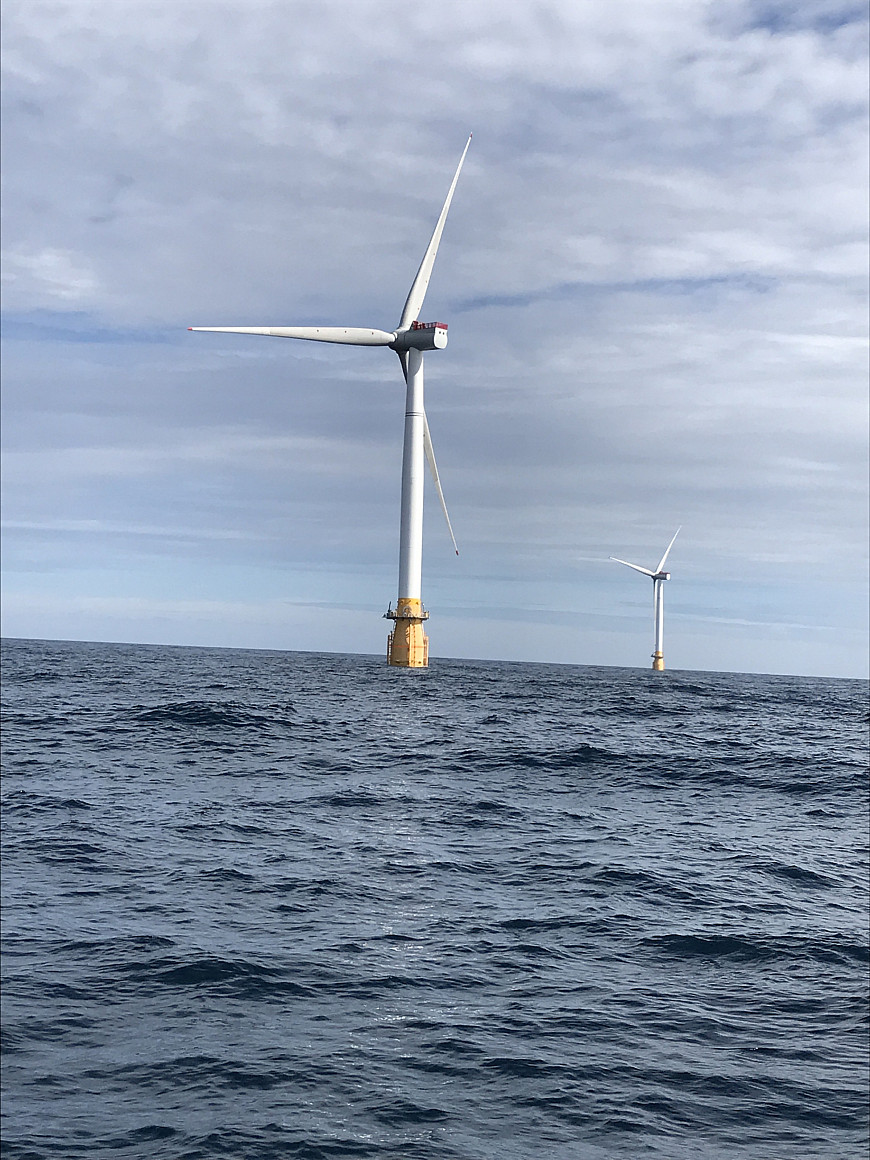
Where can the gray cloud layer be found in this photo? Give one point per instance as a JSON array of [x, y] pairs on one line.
[[654, 274]]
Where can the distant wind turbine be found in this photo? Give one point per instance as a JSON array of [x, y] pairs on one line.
[[658, 578], [407, 645]]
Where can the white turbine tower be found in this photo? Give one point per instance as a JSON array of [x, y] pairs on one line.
[[407, 645], [658, 578]]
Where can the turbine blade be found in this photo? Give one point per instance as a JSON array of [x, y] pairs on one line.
[[433, 467], [414, 302], [403, 359], [667, 549], [430, 454], [636, 567], [347, 335]]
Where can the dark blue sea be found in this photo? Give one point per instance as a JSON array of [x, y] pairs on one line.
[[273, 904]]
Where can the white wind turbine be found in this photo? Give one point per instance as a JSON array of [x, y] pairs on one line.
[[658, 578], [407, 645]]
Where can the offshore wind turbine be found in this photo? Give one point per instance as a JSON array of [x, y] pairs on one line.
[[407, 644], [658, 578]]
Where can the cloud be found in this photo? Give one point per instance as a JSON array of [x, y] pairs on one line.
[[38, 278], [654, 273]]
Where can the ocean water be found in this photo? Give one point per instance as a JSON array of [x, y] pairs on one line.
[[266, 905]]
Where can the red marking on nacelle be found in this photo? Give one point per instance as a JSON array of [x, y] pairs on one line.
[[428, 326]]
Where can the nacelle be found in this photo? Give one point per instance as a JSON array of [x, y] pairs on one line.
[[662, 576], [422, 336]]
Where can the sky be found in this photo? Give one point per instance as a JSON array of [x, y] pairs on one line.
[[654, 273]]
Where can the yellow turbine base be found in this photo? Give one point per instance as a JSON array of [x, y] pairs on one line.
[[407, 644], [658, 662]]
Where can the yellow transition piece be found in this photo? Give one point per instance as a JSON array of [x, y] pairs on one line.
[[407, 644], [658, 662]]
